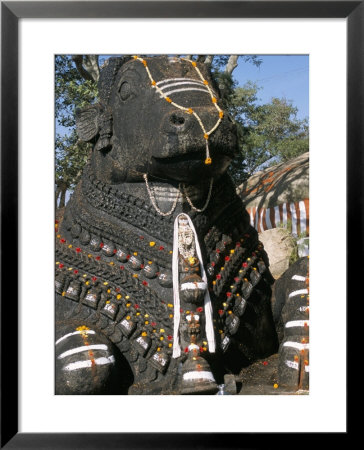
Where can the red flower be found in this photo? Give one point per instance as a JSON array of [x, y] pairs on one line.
[[221, 312], [161, 247], [186, 350], [141, 237], [136, 306], [265, 363], [145, 283], [227, 258], [78, 249], [101, 245], [115, 251], [98, 258], [245, 264], [142, 266], [217, 250], [199, 309], [238, 244], [153, 324], [213, 264], [122, 267], [201, 350], [228, 294], [61, 266], [75, 271], [169, 337], [127, 256], [63, 240], [117, 290], [218, 276], [94, 278], [236, 279]]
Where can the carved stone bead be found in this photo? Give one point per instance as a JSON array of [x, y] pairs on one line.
[[107, 248], [165, 279], [135, 262], [95, 243], [76, 230], [122, 255], [150, 270], [85, 237]]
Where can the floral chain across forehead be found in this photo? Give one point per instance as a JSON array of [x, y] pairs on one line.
[[204, 83]]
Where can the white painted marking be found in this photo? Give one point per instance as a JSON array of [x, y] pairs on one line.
[[203, 375], [261, 219], [193, 83], [302, 216], [84, 348], [168, 80], [267, 219], [193, 347], [298, 278], [307, 368], [251, 217], [297, 323], [303, 308], [296, 345], [284, 214], [277, 217], [74, 333], [187, 89], [292, 364], [294, 218], [199, 285], [83, 364], [299, 292]]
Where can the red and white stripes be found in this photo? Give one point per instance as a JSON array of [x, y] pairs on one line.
[[295, 213]]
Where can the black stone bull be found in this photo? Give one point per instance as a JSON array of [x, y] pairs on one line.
[[162, 286]]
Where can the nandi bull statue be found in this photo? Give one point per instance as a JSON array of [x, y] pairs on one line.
[[162, 286]]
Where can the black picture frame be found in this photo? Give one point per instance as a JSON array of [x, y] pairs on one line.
[[11, 12]]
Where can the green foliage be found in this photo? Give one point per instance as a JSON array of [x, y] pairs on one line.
[[71, 92], [268, 133]]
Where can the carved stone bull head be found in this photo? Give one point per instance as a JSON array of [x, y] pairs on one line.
[[135, 131]]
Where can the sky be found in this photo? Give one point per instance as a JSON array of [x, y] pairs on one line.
[[282, 76]]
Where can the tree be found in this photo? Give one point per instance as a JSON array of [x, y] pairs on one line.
[[268, 133], [73, 89]]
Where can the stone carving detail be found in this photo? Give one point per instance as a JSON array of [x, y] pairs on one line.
[[117, 322]]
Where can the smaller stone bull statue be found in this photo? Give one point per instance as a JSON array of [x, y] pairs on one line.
[[162, 286]]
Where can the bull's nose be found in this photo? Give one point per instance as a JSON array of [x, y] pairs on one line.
[[177, 120]]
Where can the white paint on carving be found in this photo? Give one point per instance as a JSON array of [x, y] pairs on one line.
[[83, 332], [297, 323], [168, 80], [292, 364], [196, 375], [298, 278], [198, 285], [307, 368], [296, 345], [303, 308], [84, 348], [84, 364], [299, 292], [187, 89]]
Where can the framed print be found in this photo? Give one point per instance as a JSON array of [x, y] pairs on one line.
[[331, 33]]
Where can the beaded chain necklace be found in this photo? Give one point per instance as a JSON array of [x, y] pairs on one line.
[[168, 213], [206, 133]]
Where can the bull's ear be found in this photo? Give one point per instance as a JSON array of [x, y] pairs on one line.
[[87, 122]]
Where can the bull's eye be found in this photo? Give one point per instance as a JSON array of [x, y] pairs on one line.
[[125, 90]]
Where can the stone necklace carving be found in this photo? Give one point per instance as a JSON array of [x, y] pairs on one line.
[[168, 213]]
